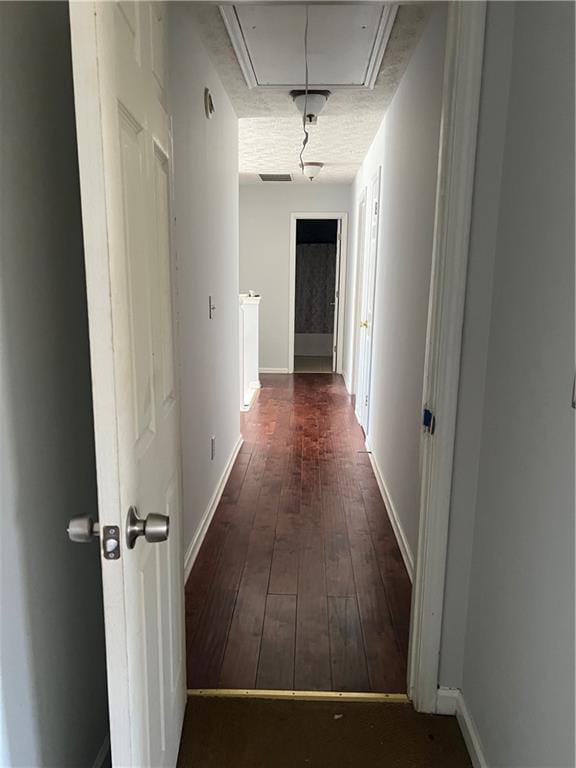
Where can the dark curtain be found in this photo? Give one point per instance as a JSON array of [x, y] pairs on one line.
[[315, 283]]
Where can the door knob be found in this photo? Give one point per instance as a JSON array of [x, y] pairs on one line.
[[154, 528], [363, 323], [83, 529]]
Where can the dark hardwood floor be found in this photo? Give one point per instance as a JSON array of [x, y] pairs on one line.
[[299, 583]]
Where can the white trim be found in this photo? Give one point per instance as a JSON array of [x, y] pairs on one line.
[[450, 701], [274, 370], [341, 282], [254, 387], [346, 378], [196, 543], [381, 38], [361, 209], [380, 44], [447, 701], [470, 734], [234, 30], [368, 301], [455, 181], [244, 408], [102, 754], [394, 518]]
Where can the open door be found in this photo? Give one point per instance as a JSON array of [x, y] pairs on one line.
[[124, 146], [360, 267], [365, 331]]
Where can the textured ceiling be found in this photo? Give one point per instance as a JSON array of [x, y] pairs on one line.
[[270, 132]]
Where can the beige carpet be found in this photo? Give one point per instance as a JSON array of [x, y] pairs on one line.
[[264, 733]]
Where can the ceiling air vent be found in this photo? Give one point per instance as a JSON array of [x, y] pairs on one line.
[[275, 176]]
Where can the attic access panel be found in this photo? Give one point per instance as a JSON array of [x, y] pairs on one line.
[[346, 43]]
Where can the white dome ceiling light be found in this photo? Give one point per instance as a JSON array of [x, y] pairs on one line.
[[312, 103], [311, 170]]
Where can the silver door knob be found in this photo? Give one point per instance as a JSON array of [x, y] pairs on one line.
[[154, 528], [83, 529]]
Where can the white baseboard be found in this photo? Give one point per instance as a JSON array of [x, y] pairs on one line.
[[470, 734], [447, 701], [196, 543], [253, 392], [347, 382], [102, 756], [274, 370], [450, 701], [405, 550]]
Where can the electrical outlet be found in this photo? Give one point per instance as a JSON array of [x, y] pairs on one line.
[[212, 447]]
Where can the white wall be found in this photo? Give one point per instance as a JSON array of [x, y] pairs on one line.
[[406, 147], [206, 242], [485, 212], [53, 703], [265, 252], [518, 660]]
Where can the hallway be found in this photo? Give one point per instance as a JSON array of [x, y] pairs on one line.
[[299, 583]]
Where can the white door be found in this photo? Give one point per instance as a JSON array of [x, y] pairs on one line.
[[366, 330], [124, 146], [361, 258], [336, 303]]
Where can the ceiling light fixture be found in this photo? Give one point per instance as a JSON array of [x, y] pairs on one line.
[[310, 104], [311, 170]]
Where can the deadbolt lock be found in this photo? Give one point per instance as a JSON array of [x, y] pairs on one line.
[[83, 529]]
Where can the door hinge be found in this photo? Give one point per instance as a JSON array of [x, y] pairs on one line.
[[366, 401], [375, 207], [428, 421]]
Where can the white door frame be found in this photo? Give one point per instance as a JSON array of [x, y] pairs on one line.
[[343, 217], [455, 181], [358, 283], [368, 301], [336, 304]]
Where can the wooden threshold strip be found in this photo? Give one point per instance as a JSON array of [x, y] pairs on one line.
[[399, 698]]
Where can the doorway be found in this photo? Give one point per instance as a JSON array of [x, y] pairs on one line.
[[315, 298], [317, 281], [249, 488], [367, 258]]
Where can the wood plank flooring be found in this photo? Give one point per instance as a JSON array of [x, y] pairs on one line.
[[299, 583]]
